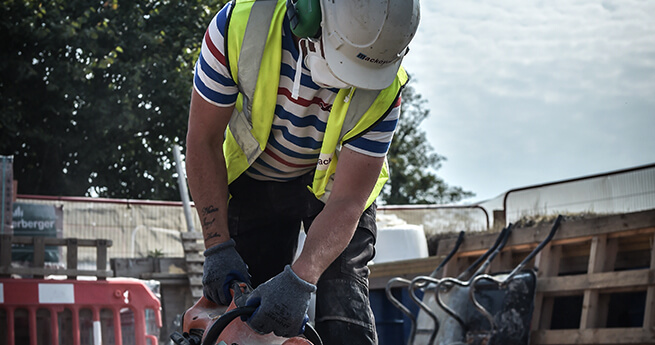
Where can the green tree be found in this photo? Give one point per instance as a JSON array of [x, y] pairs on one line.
[[94, 94], [412, 162]]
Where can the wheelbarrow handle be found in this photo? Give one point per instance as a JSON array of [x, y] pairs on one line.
[[225, 319], [460, 239], [541, 246], [467, 274]]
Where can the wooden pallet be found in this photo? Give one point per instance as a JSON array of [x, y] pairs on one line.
[[37, 268], [593, 270], [619, 262], [193, 248]]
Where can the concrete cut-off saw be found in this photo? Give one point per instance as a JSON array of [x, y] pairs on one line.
[[207, 323]]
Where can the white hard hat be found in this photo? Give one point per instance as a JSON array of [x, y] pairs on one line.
[[364, 41]]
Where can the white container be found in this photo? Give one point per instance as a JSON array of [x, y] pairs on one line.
[[402, 242]]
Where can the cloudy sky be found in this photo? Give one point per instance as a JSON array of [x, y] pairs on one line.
[[528, 92]]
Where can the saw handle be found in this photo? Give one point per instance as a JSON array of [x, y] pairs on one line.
[[225, 319]]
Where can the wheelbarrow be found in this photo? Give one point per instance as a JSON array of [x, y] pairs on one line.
[[498, 309], [424, 329], [206, 324], [434, 323]]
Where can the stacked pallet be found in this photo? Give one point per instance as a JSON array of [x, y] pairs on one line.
[[193, 248], [596, 278]]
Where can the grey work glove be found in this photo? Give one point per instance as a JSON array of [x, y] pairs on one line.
[[282, 305], [222, 266]]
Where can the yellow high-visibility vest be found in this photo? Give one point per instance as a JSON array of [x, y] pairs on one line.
[[254, 43]]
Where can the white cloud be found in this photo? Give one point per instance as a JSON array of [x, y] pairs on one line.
[[514, 85]]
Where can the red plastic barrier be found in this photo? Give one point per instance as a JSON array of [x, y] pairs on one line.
[[129, 297]]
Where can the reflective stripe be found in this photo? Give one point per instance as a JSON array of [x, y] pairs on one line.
[[254, 42], [364, 101], [56, 293], [97, 333], [241, 129]]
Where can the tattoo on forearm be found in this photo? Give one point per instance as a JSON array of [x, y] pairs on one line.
[[212, 235], [207, 220], [205, 212], [209, 209]]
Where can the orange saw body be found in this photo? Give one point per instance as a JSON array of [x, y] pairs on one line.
[[207, 323]]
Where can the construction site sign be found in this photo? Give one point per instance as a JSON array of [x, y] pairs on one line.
[[36, 220]]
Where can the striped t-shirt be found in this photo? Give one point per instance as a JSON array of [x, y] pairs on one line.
[[299, 124]]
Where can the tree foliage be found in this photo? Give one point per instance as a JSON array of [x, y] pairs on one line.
[[95, 94], [412, 162]]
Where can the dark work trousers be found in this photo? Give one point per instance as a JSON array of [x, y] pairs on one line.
[[264, 220]]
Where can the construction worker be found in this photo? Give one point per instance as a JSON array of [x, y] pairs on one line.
[[292, 113]]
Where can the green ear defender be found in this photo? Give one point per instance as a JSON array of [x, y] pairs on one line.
[[304, 17]]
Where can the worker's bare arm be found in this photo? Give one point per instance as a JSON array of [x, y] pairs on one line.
[[205, 165], [334, 227]]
